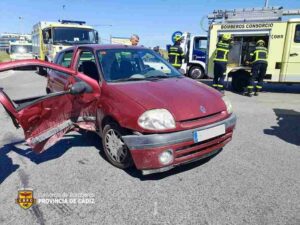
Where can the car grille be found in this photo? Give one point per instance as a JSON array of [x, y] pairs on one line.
[[194, 150], [202, 121]]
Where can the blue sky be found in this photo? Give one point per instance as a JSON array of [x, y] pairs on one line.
[[154, 21]]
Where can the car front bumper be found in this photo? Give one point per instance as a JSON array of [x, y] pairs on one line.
[[146, 149]]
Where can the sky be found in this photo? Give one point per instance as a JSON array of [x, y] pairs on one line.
[[154, 21]]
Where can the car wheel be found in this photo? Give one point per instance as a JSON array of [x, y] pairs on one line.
[[114, 147], [196, 72], [239, 81]]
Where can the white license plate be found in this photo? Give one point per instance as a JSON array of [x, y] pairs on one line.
[[209, 133]]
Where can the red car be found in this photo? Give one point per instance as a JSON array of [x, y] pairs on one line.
[[145, 111]]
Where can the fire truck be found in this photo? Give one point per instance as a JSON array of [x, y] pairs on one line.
[[48, 38], [247, 26], [194, 48]]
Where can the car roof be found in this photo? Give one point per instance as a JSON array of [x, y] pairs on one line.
[[104, 47]]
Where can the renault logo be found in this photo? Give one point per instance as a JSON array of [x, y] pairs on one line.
[[202, 109]]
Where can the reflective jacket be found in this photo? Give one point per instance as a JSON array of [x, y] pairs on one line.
[[222, 51], [176, 55], [260, 55]]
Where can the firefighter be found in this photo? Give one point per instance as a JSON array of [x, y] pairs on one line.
[[176, 53], [259, 61], [220, 61]]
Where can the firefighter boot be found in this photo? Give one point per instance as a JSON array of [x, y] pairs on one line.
[[249, 91], [257, 90]]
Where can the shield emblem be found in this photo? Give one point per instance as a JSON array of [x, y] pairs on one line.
[[25, 199]]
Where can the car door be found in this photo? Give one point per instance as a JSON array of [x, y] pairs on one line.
[[45, 119]]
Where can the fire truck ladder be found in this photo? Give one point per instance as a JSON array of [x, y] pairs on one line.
[[252, 14]]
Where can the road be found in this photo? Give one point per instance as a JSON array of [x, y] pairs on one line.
[[255, 179]]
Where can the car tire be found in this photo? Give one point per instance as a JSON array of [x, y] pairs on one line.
[[114, 147], [239, 81], [196, 72]]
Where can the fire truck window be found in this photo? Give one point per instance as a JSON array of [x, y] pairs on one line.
[[200, 44], [297, 34]]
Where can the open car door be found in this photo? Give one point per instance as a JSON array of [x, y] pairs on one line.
[[45, 119]]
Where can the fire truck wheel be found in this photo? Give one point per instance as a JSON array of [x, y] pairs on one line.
[[114, 147], [196, 72], [239, 81]]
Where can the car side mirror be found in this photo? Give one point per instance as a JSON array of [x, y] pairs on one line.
[[78, 88]]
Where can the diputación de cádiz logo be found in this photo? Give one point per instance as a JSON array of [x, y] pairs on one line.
[[25, 198]]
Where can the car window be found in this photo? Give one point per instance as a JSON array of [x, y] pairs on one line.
[[121, 64], [65, 58], [297, 34], [85, 56], [87, 64]]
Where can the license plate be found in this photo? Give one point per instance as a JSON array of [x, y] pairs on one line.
[[209, 133]]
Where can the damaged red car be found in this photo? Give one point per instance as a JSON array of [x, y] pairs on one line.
[[147, 114]]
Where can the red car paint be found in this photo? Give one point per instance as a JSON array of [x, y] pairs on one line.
[[47, 119]]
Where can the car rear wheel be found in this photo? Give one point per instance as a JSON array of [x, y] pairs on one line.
[[196, 72], [114, 147]]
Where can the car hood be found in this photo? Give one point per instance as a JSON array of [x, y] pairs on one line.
[[183, 97]]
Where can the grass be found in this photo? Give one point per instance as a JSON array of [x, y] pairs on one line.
[[4, 56]]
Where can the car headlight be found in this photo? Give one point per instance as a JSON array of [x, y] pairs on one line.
[[228, 104], [156, 119]]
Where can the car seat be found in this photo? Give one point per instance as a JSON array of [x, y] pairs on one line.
[[90, 69], [126, 68]]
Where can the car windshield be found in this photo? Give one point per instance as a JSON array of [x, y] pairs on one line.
[[21, 49], [134, 64], [74, 36]]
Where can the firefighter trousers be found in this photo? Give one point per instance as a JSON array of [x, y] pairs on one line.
[[219, 75], [258, 73]]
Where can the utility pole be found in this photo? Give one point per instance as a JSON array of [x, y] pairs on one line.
[[20, 21], [266, 3]]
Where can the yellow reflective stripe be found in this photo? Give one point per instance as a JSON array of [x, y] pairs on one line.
[[220, 60], [250, 86], [175, 64], [215, 85], [256, 52], [220, 85], [173, 53], [224, 59], [259, 87]]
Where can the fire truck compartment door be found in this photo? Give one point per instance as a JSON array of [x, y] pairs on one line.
[[293, 56]]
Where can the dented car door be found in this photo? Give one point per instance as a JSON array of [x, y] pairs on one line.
[[45, 119]]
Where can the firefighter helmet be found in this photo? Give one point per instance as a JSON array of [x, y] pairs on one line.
[[260, 43], [226, 37], [178, 38]]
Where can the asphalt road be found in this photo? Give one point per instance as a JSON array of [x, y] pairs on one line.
[[254, 180]]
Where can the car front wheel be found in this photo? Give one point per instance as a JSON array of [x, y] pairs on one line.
[[114, 147]]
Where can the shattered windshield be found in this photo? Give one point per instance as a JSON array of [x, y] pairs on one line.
[[134, 64]]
